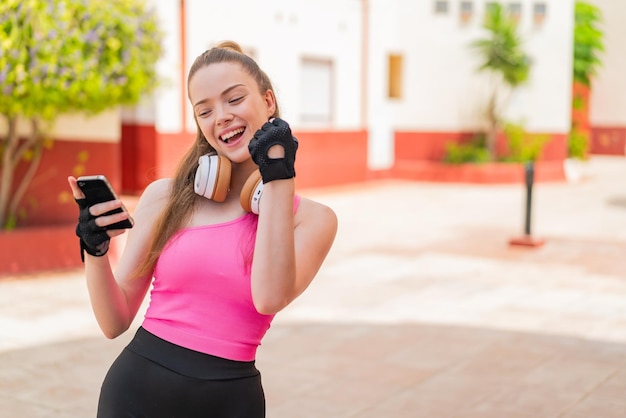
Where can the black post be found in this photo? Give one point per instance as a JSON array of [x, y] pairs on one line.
[[530, 179], [527, 239]]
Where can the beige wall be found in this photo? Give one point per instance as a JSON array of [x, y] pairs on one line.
[[103, 127]]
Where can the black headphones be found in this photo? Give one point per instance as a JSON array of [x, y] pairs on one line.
[[213, 182]]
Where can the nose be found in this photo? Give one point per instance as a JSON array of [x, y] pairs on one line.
[[223, 116]]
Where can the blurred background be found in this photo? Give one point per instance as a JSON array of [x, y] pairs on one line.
[[374, 89]]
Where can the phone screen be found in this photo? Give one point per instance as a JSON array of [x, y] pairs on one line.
[[97, 189]]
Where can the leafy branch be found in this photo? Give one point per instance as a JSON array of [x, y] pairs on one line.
[[63, 56]]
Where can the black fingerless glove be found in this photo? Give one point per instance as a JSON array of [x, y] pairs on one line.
[[276, 132], [93, 239]]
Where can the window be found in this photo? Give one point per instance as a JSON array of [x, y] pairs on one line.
[[316, 89], [539, 13], [515, 11], [466, 10], [441, 7], [395, 77]]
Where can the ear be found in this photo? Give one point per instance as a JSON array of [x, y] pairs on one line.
[[270, 102]]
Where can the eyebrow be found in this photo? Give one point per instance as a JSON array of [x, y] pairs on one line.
[[225, 92]]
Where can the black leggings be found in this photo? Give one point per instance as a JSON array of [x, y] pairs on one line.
[[153, 378]]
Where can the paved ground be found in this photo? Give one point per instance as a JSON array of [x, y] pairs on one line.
[[422, 310]]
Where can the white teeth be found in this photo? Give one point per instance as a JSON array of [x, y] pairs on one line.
[[230, 134]]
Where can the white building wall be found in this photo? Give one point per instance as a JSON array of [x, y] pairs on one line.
[[166, 108], [384, 36], [280, 33], [165, 100], [608, 94], [546, 101], [442, 89]]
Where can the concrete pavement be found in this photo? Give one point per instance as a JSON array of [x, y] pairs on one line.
[[421, 310]]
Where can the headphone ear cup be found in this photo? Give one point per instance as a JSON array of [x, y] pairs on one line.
[[251, 193], [222, 182], [213, 177]]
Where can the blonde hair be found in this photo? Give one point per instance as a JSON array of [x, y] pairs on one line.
[[182, 196]]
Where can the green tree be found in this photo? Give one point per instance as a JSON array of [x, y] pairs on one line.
[[588, 45], [64, 56], [588, 42], [503, 58]]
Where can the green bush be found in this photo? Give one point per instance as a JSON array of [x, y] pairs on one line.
[[523, 146], [474, 151], [578, 144]]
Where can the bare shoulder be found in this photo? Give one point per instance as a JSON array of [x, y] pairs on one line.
[[155, 196], [157, 190], [311, 212], [150, 205], [314, 233]]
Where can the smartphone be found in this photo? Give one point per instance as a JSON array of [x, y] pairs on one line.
[[97, 189]]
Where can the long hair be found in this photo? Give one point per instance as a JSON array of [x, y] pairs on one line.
[[182, 198]]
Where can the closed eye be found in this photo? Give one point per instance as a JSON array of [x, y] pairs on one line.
[[236, 100], [204, 113]]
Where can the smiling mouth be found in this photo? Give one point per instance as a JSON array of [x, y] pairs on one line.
[[234, 134]]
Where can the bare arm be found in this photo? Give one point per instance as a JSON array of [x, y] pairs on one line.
[[289, 248], [116, 298]]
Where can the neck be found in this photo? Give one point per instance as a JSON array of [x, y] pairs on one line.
[[240, 173]]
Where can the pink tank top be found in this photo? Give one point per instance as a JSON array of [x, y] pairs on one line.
[[201, 296]]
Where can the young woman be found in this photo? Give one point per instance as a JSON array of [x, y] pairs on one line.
[[218, 273]]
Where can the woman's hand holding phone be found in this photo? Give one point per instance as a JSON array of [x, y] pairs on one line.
[[101, 214]]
